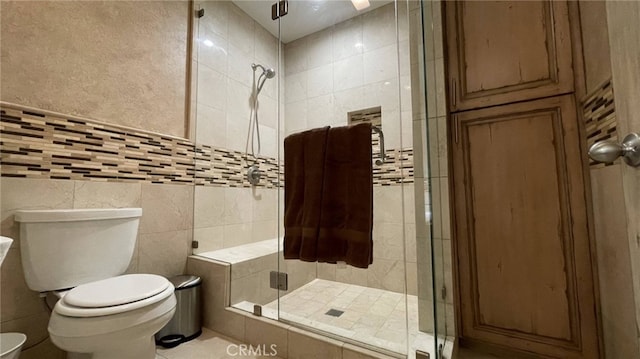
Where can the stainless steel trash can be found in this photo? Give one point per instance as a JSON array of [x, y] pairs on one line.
[[186, 323]]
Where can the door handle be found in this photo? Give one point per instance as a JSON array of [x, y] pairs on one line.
[[608, 151]]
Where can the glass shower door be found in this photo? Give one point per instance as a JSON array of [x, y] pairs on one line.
[[341, 67], [235, 125]]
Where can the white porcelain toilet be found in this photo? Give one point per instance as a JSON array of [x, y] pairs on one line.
[[76, 259]]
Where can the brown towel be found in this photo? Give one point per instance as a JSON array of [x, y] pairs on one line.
[[329, 195], [304, 155], [346, 217]]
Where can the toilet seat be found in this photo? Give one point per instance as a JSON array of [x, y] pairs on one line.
[[114, 295]]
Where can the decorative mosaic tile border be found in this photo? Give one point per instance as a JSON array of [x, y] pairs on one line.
[[599, 116], [219, 167], [40, 145], [396, 169]]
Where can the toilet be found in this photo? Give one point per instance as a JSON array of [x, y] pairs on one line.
[[76, 259]]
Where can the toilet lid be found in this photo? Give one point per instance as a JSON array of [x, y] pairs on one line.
[[116, 291]]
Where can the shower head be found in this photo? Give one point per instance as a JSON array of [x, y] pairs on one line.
[[268, 72]]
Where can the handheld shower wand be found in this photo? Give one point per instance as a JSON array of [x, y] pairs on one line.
[[254, 173]]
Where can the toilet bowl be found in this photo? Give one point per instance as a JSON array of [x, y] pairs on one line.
[[105, 314], [113, 318], [11, 345]]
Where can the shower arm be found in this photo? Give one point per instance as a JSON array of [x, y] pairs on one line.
[[383, 154]]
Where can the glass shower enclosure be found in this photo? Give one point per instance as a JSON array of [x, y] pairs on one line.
[[256, 80]]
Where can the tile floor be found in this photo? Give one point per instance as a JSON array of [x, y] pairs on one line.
[[209, 345], [372, 316]]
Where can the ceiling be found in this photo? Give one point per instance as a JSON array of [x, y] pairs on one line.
[[305, 16]]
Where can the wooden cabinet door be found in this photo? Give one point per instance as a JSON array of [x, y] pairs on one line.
[[507, 51], [523, 254]]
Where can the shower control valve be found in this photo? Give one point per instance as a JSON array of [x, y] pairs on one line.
[[254, 174]]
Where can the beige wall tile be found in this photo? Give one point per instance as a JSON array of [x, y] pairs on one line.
[[129, 80], [16, 299], [215, 297], [326, 271], [387, 274], [408, 190], [209, 239], [262, 230], [380, 64], [237, 234], [352, 275], [238, 206], [410, 243], [300, 273], [89, 194], [265, 203], [425, 315], [209, 206], [20, 193], [245, 288], [378, 28], [305, 345], [230, 322], [387, 204], [33, 326], [212, 88], [387, 241], [166, 208], [211, 126], [43, 350], [449, 320], [164, 253], [260, 331], [412, 278]]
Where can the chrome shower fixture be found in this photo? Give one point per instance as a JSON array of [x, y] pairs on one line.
[[267, 73], [254, 174], [270, 72]]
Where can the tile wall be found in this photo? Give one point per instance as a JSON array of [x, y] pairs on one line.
[[354, 65], [228, 41]]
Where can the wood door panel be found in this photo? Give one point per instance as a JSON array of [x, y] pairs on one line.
[[524, 264], [507, 192], [507, 51]]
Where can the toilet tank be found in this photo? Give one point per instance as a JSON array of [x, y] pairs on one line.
[[64, 248]]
